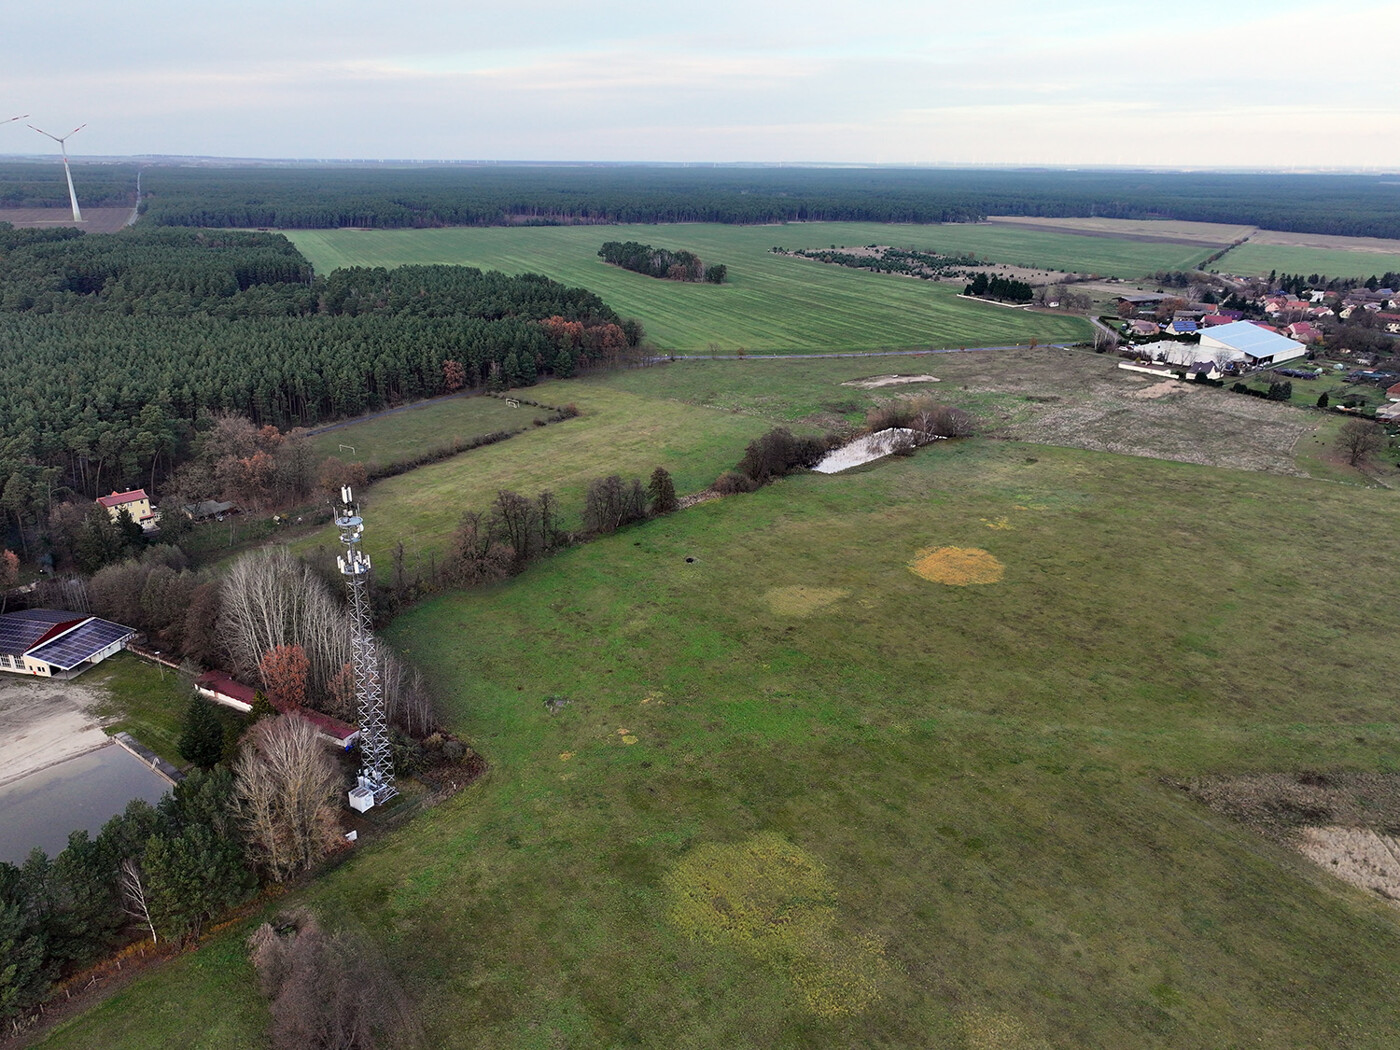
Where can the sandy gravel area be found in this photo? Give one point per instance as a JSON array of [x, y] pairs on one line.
[[875, 382], [862, 450], [1355, 855], [43, 722]]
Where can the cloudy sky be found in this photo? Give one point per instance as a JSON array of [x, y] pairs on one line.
[[1194, 83]]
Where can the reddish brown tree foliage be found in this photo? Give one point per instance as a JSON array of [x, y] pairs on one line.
[[454, 376], [284, 673]]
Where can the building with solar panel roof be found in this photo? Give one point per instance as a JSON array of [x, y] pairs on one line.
[[51, 642]]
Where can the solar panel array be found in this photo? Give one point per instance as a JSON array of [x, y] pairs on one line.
[[81, 643], [19, 632]]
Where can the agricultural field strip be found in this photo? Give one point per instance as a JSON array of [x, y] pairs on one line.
[[770, 302]]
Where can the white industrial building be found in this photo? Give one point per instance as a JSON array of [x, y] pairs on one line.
[[1240, 341], [1246, 341]]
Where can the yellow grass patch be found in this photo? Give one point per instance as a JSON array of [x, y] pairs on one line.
[[958, 566], [564, 756], [998, 1031], [802, 601], [627, 736], [774, 901], [997, 523]]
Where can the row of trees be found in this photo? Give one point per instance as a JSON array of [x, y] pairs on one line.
[[489, 546], [878, 259], [677, 265]]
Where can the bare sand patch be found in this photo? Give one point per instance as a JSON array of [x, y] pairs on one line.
[[802, 601], [957, 566], [875, 382], [1359, 856], [1156, 390], [43, 722]]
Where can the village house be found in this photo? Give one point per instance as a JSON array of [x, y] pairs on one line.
[[136, 503]]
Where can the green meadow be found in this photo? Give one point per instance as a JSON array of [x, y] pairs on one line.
[[616, 433], [801, 796], [1261, 259], [441, 423], [772, 303]]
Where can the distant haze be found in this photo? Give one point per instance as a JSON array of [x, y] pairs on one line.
[[1193, 84]]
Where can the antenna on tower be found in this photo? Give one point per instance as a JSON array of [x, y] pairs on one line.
[[376, 779], [62, 144]]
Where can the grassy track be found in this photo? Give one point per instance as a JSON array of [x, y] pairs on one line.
[[618, 433], [1286, 258], [428, 425], [770, 303], [937, 815]]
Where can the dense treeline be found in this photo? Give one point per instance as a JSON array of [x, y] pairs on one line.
[[159, 871], [117, 352], [40, 184], [678, 265], [309, 197], [389, 197], [1004, 288], [881, 259]]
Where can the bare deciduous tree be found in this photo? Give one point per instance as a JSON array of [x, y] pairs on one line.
[[1359, 440], [133, 890], [287, 785], [329, 990]]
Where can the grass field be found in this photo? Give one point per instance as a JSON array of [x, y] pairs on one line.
[[1260, 259], [617, 433], [804, 797], [424, 427], [695, 417], [772, 303], [148, 701]]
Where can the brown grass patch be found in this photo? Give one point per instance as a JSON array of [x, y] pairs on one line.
[[802, 601], [957, 566]]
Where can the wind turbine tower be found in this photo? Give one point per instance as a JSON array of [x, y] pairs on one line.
[[376, 780], [62, 144]]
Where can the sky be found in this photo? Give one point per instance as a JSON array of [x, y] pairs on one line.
[[1191, 84]]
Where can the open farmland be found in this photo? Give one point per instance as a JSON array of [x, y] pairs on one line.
[[801, 796], [1214, 234], [771, 302], [1369, 257]]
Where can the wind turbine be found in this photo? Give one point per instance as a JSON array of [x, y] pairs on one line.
[[72, 194], [13, 119]]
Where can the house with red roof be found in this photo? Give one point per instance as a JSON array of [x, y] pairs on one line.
[[1304, 332], [136, 503]]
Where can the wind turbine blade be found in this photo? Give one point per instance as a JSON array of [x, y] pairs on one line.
[[41, 131], [75, 131], [20, 117]]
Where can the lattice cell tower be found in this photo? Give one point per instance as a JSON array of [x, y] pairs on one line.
[[376, 782]]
